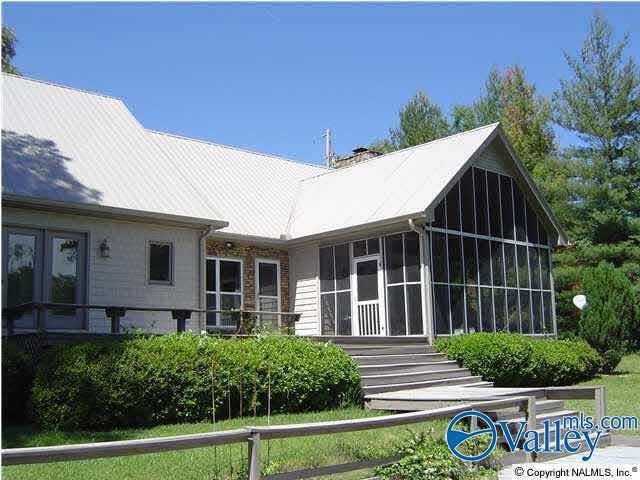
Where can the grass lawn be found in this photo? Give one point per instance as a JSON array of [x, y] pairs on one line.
[[623, 388], [214, 462]]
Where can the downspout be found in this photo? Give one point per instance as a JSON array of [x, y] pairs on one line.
[[426, 280], [202, 253]]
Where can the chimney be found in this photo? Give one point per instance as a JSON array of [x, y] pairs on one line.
[[359, 154]]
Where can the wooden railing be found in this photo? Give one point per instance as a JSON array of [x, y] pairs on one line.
[[240, 318], [255, 435]]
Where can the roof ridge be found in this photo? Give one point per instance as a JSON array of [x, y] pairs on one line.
[[66, 87], [333, 170], [232, 147]]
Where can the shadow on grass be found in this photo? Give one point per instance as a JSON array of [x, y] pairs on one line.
[[27, 436]]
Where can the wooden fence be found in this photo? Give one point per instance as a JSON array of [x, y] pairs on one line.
[[255, 435]]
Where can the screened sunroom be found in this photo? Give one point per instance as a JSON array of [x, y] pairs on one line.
[[481, 264], [490, 259]]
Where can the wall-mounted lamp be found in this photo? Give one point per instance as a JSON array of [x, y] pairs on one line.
[[228, 244], [105, 250]]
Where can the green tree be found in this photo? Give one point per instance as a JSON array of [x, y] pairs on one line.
[[420, 121], [525, 116], [609, 322], [9, 41], [601, 104]]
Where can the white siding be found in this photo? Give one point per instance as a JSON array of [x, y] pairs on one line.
[[122, 278], [303, 278]]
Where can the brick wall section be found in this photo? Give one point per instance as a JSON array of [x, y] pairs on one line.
[[248, 253]]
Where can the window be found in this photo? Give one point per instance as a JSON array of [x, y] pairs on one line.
[[268, 290], [370, 246], [223, 290], [49, 266], [403, 275], [335, 288], [498, 278], [161, 263]]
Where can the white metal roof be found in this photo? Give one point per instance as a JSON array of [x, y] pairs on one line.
[[255, 192], [398, 184], [71, 146]]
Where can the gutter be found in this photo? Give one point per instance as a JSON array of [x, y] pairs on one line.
[[201, 258], [105, 211]]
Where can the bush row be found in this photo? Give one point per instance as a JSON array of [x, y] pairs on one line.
[[17, 379], [140, 381], [513, 360]]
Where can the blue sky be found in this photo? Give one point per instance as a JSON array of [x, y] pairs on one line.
[[271, 77]]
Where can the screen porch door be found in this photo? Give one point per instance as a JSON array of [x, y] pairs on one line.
[[369, 309]]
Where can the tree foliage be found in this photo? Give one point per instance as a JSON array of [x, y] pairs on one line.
[[601, 104], [525, 116], [9, 41], [610, 320], [420, 121]]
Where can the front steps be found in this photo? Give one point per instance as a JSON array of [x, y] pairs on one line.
[[402, 367], [389, 364]]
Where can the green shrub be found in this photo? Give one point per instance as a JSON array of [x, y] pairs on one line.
[[141, 381], [514, 360], [610, 320], [17, 378], [427, 458]]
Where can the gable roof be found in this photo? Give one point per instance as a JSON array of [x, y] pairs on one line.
[[399, 184], [72, 147]]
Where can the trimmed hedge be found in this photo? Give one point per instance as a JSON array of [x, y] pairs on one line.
[[142, 381], [17, 379], [513, 360]]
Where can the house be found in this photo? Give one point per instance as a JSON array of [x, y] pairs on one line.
[[437, 239]]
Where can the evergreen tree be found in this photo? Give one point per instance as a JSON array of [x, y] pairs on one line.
[[601, 104], [8, 50], [420, 121]]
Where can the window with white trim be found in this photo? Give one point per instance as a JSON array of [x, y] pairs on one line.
[[268, 289], [490, 259], [403, 282], [223, 290]]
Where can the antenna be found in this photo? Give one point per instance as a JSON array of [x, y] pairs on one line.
[[329, 156]]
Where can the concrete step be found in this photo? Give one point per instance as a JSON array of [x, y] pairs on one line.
[[395, 378], [363, 359], [479, 384], [370, 340], [423, 384], [405, 367], [384, 349]]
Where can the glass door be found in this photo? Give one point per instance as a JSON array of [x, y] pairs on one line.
[[64, 280], [369, 318], [22, 271]]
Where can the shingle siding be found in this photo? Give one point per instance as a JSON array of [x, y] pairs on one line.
[[122, 278]]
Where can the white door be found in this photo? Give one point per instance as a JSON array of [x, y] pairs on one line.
[[368, 305]]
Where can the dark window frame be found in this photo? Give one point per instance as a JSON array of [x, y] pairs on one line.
[[171, 281]]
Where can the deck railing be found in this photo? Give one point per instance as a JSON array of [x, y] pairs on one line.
[[240, 320], [255, 435]]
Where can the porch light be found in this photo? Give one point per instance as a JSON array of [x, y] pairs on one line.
[[228, 244], [105, 250]]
